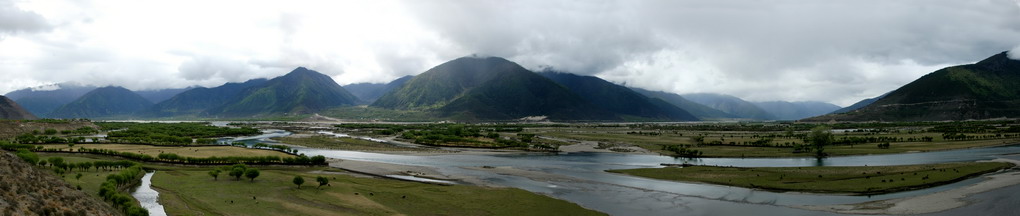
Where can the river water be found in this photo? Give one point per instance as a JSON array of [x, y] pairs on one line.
[[583, 179], [148, 197]]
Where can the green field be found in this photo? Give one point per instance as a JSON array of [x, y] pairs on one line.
[[191, 191], [842, 180], [341, 143], [655, 142], [192, 151]]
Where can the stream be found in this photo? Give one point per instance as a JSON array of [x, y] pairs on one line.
[[148, 197]]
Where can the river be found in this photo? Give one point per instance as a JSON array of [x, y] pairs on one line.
[[148, 197], [583, 179]]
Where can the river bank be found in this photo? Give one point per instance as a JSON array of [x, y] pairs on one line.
[[929, 203]]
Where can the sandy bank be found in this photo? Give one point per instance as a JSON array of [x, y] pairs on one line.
[[929, 203], [378, 169]]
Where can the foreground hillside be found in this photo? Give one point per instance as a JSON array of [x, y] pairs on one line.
[[11, 110], [25, 190], [987, 89]]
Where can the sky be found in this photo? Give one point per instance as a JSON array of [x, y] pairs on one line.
[[838, 51]]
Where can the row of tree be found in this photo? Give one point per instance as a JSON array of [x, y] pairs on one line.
[[114, 190]]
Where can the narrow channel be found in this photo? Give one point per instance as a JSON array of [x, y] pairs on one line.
[[148, 197]]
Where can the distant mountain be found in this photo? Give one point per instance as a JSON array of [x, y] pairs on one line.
[[161, 95], [618, 99], [784, 110], [11, 110], [730, 104], [196, 100], [301, 91], [698, 110], [987, 89], [859, 104], [369, 92], [44, 99], [103, 102], [490, 88]]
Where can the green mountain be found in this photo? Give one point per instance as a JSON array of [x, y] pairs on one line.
[[196, 100], [696, 109], [301, 91], [160, 95], [44, 99], [103, 102], [618, 99], [369, 92], [784, 110], [987, 89], [11, 110], [859, 104], [730, 104], [490, 88]]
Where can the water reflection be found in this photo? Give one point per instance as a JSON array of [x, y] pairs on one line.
[[149, 198]]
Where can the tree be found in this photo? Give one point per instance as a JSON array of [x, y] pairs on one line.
[[237, 171], [215, 174], [322, 181], [252, 174], [298, 181], [56, 161], [318, 160], [698, 140], [28, 156], [77, 177], [820, 137]]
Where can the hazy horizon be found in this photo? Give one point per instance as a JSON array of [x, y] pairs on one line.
[[836, 51]]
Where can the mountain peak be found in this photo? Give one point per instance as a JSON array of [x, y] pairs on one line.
[[103, 102]]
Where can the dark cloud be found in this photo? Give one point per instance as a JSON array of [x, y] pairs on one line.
[[748, 48], [835, 51], [14, 20]]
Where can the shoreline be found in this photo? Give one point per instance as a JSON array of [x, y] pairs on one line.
[[928, 203]]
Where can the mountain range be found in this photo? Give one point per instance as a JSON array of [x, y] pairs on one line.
[[987, 89], [619, 99], [489, 88], [301, 91], [103, 102], [369, 92], [784, 110], [43, 100], [11, 110], [730, 104]]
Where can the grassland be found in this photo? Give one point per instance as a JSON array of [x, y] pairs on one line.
[[843, 180], [656, 142], [341, 143], [194, 151], [190, 191]]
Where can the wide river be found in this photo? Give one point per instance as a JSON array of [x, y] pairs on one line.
[[582, 179]]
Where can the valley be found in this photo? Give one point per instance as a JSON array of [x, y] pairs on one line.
[[373, 158]]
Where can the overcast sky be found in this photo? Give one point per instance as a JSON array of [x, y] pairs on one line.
[[833, 51]]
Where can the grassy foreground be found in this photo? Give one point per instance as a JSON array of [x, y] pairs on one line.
[[190, 191], [843, 180]]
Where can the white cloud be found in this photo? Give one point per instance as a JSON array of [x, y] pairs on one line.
[[1014, 53], [834, 51]]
